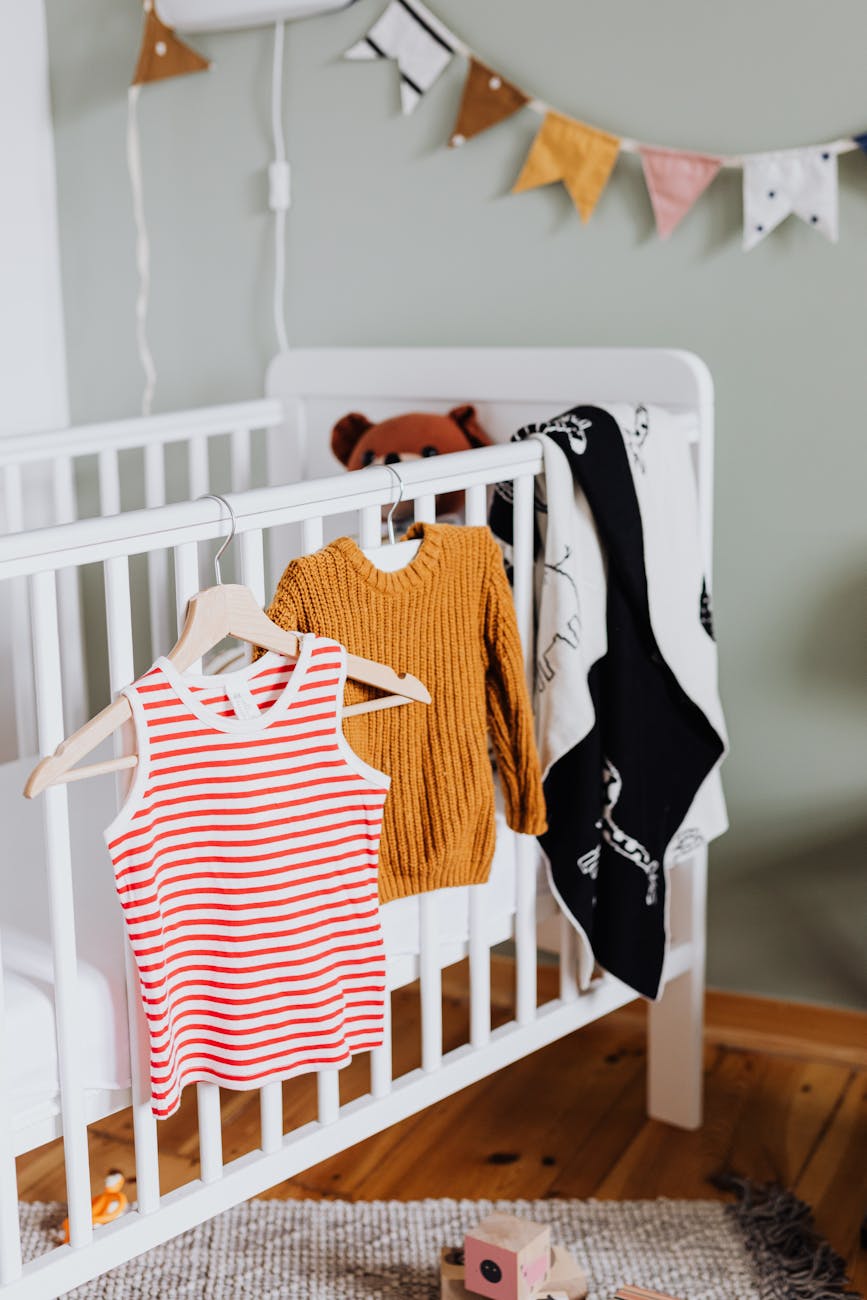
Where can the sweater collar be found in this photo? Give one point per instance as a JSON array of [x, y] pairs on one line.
[[418, 573]]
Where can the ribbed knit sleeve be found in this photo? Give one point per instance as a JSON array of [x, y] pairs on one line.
[[284, 608], [510, 716]]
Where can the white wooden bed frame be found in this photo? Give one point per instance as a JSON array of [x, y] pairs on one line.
[[503, 382]]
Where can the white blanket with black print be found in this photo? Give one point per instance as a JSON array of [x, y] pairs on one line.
[[630, 726]]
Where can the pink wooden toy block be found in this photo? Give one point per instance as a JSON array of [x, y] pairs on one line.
[[506, 1258], [565, 1278]]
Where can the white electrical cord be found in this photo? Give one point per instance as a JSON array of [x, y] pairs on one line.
[[142, 249], [279, 189]]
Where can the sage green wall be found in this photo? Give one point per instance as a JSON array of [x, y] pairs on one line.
[[397, 240]]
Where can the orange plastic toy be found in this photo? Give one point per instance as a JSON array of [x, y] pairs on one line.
[[108, 1205]]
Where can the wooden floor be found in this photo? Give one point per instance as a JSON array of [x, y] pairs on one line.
[[786, 1100]]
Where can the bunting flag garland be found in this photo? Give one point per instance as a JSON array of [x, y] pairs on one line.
[[487, 99], [163, 54], [675, 180], [583, 156], [580, 156], [803, 181], [417, 43]]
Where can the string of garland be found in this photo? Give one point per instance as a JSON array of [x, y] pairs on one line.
[[582, 157]]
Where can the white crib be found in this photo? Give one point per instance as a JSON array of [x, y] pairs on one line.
[[58, 888]]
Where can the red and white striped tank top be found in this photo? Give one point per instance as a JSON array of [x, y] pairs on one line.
[[245, 861]]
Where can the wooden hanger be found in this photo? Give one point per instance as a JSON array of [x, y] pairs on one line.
[[397, 555], [227, 609]]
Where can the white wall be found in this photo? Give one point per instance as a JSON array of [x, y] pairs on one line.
[[32, 361], [32, 364]]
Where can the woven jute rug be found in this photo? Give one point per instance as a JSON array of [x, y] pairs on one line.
[[761, 1249]]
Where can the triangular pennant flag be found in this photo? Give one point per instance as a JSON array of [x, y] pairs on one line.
[[674, 181], [803, 181], [580, 156], [162, 53], [487, 99], [861, 141], [420, 46]]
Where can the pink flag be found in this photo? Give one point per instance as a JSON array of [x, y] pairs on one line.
[[675, 180]]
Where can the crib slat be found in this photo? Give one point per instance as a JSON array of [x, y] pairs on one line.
[[240, 460], [328, 1096], [522, 580], [210, 1132], [118, 617], [207, 1094], [312, 534], [197, 466], [380, 1057], [253, 562], [475, 513], [69, 597], [155, 474], [19, 616], [526, 852], [430, 977], [186, 579], [425, 508], [157, 561], [568, 961], [271, 1108], [288, 445], [369, 526], [10, 1233], [480, 969], [63, 489], [476, 504], [109, 481], [49, 699]]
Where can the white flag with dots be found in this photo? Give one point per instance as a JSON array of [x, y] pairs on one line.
[[803, 181]]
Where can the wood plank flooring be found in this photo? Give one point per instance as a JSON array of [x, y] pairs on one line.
[[786, 1100]]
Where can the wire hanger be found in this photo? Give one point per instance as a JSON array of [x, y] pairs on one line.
[[213, 496], [396, 555], [227, 609], [389, 523]]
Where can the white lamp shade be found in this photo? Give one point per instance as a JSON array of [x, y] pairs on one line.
[[222, 15]]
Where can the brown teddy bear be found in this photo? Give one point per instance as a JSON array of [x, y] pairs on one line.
[[357, 442]]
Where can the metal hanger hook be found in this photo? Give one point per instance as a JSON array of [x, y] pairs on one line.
[[213, 496], [389, 522]]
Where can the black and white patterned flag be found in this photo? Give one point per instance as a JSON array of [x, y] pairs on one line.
[[419, 44]]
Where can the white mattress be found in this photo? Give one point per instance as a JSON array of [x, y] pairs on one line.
[[30, 1053]]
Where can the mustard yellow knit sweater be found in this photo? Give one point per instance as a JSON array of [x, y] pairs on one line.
[[447, 617]]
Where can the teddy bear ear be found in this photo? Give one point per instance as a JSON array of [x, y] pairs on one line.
[[346, 434], [465, 418]]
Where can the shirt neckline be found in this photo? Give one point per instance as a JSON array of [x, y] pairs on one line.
[[414, 575], [182, 682]]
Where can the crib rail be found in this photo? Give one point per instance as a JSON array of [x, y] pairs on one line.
[[139, 431], [100, 469], [137, 532], [181, 531]]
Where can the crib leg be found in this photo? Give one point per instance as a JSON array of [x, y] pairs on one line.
[[675, 1048]]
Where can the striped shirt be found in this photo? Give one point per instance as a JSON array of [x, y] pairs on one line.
[[245, 860]]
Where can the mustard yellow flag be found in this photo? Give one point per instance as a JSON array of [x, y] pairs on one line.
[[580, 156]]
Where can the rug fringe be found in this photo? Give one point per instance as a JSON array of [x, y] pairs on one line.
[[795, 1262]]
